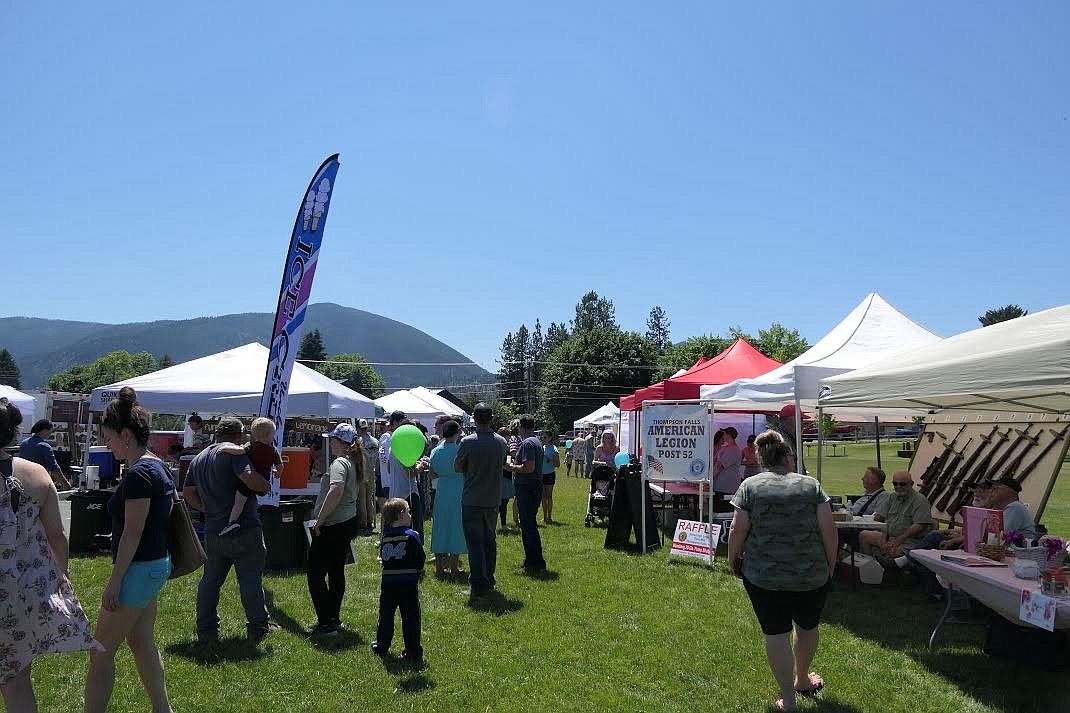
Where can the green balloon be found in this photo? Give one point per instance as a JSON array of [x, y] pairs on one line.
[[407, 445]]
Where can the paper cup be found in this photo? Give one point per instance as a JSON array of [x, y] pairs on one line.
[[92, 477]]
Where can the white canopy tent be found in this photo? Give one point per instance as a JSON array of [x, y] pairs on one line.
[[872, 331], [602, 416], [1019, 365], [414, 407], [447, 407], [26, 404], [233, 382]]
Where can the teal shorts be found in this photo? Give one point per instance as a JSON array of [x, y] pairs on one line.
[[143, 581]]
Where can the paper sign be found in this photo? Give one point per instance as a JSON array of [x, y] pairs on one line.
[[695, 539], [1037, 609], [676, 441], [977, 524]]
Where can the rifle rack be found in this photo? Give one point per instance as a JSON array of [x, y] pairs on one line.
[[973, 446]]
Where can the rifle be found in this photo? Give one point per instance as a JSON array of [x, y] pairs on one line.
[[1057, 437], [928, 478], [962, 472], [1013, 466], [965, 489], [949, 471]]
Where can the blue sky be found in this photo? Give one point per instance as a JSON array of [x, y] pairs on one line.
[[736, 164]]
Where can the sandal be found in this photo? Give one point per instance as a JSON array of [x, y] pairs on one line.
[[816, 684]]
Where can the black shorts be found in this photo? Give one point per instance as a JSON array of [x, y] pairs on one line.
[[549, 478], [776, 610]]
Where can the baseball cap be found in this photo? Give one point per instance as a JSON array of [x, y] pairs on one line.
[[1008, 482], [789, 412], [343, 432], [230, 426], [362, 423]]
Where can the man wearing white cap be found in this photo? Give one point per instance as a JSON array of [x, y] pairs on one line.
[[366, 496]]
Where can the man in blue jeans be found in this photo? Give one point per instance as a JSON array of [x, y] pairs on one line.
[[526, 467], [480, 457], [209, 487]]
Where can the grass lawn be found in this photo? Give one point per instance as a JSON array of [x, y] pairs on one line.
[[607, 632]]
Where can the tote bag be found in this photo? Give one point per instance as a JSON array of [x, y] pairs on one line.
[[187, 554]]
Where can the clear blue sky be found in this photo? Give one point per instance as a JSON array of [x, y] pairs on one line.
[[735, 164]]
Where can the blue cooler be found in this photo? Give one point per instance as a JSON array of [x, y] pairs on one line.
[[101, 457]]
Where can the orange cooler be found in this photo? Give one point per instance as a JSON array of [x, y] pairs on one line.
[[296, 465]]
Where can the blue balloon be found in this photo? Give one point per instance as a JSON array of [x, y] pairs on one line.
[[621, 459], [568, 443]]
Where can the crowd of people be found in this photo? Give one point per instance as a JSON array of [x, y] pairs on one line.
[[783, 542]]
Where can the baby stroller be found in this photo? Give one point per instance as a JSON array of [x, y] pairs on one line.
[[601, 498]]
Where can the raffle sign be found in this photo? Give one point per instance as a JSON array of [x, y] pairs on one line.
[[676, 441], [297, 275], [695, 539]]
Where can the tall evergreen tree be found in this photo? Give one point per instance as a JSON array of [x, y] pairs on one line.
[[556, 335], [594, 312], [657, 327], [312, 350], [9, 370], [995, 316], [166, 361]]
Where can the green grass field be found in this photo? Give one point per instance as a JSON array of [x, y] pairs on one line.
[[608, 631]]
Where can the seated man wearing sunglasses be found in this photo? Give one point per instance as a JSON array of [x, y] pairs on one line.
[[909, 518]]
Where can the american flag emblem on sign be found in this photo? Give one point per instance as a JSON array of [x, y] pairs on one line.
[[655, 463]]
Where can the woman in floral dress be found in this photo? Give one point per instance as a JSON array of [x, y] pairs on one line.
[[39, 612]]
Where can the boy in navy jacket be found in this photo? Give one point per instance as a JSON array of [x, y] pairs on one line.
[[402, 553]]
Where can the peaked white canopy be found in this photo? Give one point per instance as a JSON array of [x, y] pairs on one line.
[[444, 405], [25, 403], [233, 382], [602, 416], [414, 407], [872, 331], [1019, 365]]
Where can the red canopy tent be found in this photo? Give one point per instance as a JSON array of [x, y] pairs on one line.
[[739, 361]]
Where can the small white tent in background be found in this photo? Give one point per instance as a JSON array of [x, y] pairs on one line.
[[1019, 365], [446, 406], [233, 382], [25, 403], [604, 416], [414, 407]]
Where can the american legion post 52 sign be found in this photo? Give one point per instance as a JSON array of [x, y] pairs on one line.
[[676, 441]]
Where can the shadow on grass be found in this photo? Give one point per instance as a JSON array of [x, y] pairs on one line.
[[901, 619], [820, 703], [542, 575], [228, 650], [280, 617], [341, 641], [495, 603]]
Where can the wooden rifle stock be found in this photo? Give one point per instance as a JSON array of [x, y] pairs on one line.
[[965, 489], [1057, 437], [949, 471], [962, 472], [929, 477]]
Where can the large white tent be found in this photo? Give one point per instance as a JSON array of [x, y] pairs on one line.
[[233, 382], [1019, 365], [25, 403], [602, 416], [414, 407], [447, 407], [872, 331]]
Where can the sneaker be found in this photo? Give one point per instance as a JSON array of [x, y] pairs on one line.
[[258, 634], [231, 527], [382, 653], [413, 658]]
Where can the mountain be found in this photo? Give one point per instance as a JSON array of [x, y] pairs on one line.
[[42, 347]]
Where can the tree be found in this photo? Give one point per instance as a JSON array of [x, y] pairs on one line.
[[311, 350], [354, 372], [780, 343], [594, 366], [9, 370], [166, 361], [995, 316], [594, 312], [828, 425], [556, 335], [685, 354], [108, 369], [657, 328]]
